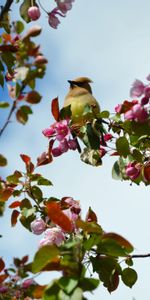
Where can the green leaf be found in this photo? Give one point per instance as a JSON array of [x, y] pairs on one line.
[[91, 157], [129, 277], [67, 284], [89, 284], [44, 181], [77, 294], [1, 79], [26, 109], [104, 114], [137, 155], [4, 104], [36, 193], [111, 247], [1, 65], [91, 138], [92, 241], [26, 222], [89, 226], [122, 146], [5, 22], [8, 59], [44, 256], [19, 27], [24, 10], [3, 161], [51, 291], [28, 212], [65, 112], [116, 174], [14, 178], [21, 116]]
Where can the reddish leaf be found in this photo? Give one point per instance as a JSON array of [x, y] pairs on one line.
[[114, 282], [5, 194], [3, 277], [15, 204], [24, 259], [14, 217], [44, 159], [10, 48], [58, 217], [33, 97], [25, 158], [119, 239], [55, 109], [91, 216], [38, 291], [2, 264], [147, 173], [7, 37], [114, 154]]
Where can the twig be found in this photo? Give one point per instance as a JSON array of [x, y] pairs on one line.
[[139, 255], [5, 9], [11, 112]]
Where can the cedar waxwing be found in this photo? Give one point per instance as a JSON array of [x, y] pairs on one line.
[[79, 97]]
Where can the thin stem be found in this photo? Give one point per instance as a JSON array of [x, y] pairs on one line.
[[139, 255], [8, 118], [42, 6], [5, 9], [11, 112]]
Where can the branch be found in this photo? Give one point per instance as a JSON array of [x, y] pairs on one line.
[[5, 9], [139, 255], [11, 112]]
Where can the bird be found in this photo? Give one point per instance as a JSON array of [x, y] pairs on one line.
[[79, 98], [84, 112]]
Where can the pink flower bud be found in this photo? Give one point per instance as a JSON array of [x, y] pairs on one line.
[[144, 101], [107, 137], [147, 91], [34, 13], [56, 152], [129, 115], [63, 146], [132, 170], [27, 283], [38, 226]]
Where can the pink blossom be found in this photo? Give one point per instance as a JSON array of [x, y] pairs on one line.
[[28, 282], [132, 170], [137, 88], [53, 236], [129, 115], [148, 77], [62, 130], [108, 137], [73, 204], [118, 108], [34, 13], [64, 6], [63, 146], [53, 19], [56, 151], [49, 132], [139, 113], [72, 144], [38, 226], [3, 289], [72, 216], [102, 151]]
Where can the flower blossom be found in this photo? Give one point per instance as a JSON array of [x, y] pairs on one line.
[[53, 236], [38, 226], [133, 170], [34, 13], [137, 88], [27, 283], [64, 6], [137, 113], [61, 133]]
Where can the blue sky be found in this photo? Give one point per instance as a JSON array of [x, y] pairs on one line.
[[108, 41]]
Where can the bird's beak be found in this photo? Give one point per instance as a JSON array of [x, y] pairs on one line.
[[70, 81]]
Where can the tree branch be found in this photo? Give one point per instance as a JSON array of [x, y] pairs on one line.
[[5, 8], [139, 255]]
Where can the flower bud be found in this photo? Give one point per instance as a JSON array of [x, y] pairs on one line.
[[132, 170], [34, 13], [38, 226], [26, 283], [40, 59]]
